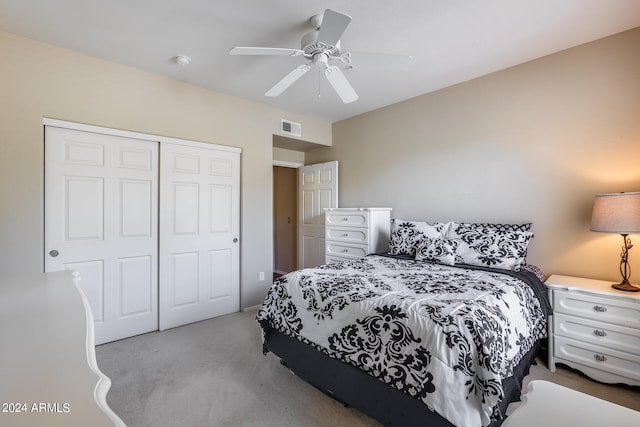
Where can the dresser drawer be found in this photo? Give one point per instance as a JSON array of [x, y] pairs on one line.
[[598, 333], [593, 356], [345, 250], [350, 235], [347, 219], [598, 308]]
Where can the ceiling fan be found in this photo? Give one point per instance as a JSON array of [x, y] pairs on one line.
[[320, 47]]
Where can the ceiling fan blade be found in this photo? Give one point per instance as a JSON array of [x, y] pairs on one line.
[[288, 80], [332, 27], [380, 60], [279, 51], [341, 85]]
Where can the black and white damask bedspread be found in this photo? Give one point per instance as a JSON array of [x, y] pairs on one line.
[[446, 335]]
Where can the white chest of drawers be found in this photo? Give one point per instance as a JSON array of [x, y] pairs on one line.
[[595, 328], [352, 233]]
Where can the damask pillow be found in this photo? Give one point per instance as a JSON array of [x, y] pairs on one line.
[[441, 251], [405, 235], [492, 245]]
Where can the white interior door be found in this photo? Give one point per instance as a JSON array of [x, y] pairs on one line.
[[317, 189], [199, 225], [101, 209]]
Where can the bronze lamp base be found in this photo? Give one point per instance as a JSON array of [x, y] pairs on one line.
[[625, 286], [625, 268]]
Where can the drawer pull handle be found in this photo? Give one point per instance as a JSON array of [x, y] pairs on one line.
[[600, 308], [345, 250], [345, 219], [599, 333], [600, 358], [345, 235]]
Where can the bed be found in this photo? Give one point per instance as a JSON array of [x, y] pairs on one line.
[[439, 331]]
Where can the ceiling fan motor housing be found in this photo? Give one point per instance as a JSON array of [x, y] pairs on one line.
[[311, 46]]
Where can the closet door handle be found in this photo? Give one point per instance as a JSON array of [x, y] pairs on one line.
[[53, 253], [235, 240]]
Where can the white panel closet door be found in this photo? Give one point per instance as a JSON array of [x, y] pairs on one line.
[[199, 228], [101, 204], [317, 189]]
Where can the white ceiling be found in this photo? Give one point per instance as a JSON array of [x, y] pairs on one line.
[[451, 41]]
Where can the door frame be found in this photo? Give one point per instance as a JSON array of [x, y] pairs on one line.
[[131, 134]]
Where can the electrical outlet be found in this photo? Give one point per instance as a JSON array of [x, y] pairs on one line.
[[262, 275]]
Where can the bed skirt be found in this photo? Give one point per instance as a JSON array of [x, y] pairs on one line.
[[353, 387]]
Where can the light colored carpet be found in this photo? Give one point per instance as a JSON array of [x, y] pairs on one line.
[[213, 373]]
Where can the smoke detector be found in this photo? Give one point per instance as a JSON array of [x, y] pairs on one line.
[[182, 60]]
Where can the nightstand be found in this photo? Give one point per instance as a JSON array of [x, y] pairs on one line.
[[595, 329]]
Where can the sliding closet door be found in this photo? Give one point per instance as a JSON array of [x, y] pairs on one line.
[[199, 229], [101, 208]]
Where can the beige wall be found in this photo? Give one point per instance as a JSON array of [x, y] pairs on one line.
[[288, 156], [532, 143], [39, 80]]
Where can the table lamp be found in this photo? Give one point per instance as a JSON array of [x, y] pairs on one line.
[[618, 213]]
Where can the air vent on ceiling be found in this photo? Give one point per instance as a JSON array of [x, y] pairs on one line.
[[290, 128]]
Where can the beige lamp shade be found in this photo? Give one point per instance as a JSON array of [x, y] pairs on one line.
[[616, 213]]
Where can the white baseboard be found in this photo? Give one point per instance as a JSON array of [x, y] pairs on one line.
[[252, 308]]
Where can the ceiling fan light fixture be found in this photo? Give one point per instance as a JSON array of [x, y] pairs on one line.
[[321, 59]]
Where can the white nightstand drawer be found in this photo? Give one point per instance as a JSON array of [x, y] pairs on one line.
[[351, 219], [346, 250], [598, 333], [350, 235], [606, 359], [599, 308]]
